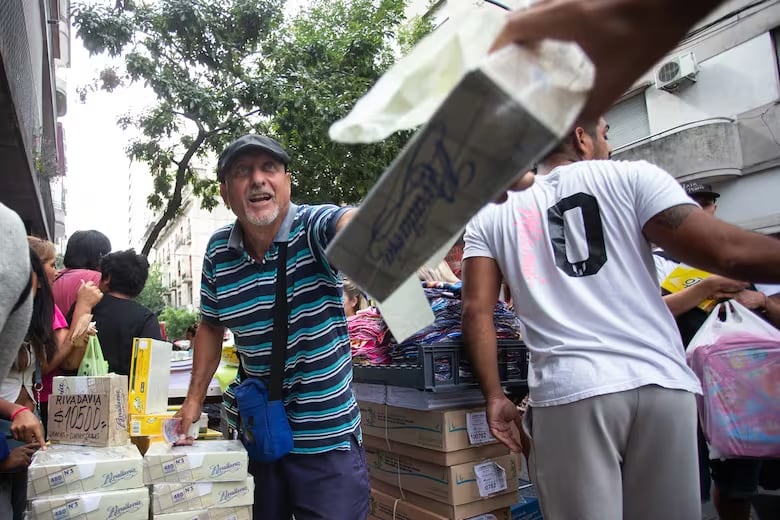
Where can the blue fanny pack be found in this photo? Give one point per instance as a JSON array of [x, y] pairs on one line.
[[262, 420], [264, 428]]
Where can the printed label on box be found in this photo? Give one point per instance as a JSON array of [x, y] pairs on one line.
[[491, 478], [478, 429]]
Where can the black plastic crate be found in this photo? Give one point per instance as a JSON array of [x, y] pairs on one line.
[[444, 367]]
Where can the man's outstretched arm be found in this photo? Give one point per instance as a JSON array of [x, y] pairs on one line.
[[623, 38], [695, 237]]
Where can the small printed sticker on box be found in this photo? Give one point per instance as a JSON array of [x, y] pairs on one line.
[[182, 495], [491, 478], [478, 429]]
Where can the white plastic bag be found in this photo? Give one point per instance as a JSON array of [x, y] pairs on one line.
[[739, 320], [737, 360]]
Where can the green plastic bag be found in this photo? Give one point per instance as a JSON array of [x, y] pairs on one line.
[[93, 363]]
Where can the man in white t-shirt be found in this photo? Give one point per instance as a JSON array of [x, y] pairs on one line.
[[612, 419]]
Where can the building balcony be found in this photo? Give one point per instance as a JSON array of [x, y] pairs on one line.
[[707, 151]]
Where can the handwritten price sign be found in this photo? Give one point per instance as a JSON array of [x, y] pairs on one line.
[[79, 419]]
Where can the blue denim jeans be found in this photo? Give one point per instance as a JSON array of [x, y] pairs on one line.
[[325, 486]]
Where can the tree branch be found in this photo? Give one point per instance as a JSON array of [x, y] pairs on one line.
[[174, 203], [192, 118]]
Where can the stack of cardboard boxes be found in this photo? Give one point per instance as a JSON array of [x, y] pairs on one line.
[[206, 481], [436, 465], [91, 471]]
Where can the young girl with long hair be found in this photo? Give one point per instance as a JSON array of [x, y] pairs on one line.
[[58, 347]]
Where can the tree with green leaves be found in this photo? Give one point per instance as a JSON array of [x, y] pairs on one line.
[[177, 321], [223, 68], [153, 294]]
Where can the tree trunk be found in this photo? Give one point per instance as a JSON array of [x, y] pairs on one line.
[[174, 203]]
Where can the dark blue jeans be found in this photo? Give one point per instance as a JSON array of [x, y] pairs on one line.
[[326, 486]]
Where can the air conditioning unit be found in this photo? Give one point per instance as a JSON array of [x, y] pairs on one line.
[[676, 71]]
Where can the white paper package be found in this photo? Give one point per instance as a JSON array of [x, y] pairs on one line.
[[188, 496], [127, 504], [63, 469], [212, 513], [207, 461], [498, 121]]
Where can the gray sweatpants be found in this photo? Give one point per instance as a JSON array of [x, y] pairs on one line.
[[629, 455]]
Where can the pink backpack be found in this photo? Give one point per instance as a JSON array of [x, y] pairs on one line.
[[737, 360]]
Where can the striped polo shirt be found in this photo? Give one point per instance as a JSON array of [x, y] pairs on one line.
[[238, 293]]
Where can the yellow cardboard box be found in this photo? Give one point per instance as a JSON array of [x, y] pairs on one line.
[[151, 425], [383, 494], [441, 430], [150, 374], [683, 277], [453, 485]]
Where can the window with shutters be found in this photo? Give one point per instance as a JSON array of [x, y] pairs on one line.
[[628, 121]]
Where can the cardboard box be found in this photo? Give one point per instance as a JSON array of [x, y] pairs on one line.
[[150, 374], [213, 513], [453, 485], [442, 458], [128, 504], [207, 461], [76, 469], [89, 411], [170, 497], [415, 506], [151, 425], [441, 430]]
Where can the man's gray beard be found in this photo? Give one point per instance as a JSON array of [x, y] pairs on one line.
[[265, 221]]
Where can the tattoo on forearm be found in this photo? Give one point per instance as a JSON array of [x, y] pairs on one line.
[[673, 217]]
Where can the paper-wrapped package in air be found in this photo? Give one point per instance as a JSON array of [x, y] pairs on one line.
[[189, 496], [204, 461], [498, 121], [63, 469], [127, 504]]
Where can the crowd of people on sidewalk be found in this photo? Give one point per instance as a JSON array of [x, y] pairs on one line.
[[94, 286], [611, 426]]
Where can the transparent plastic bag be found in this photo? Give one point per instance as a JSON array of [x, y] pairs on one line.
[[737, 360]]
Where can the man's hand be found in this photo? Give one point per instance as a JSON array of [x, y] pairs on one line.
[[721, 287], [189, 413], [19, 458], [751, 299], [501, 415], [27, 427], [623, 38]]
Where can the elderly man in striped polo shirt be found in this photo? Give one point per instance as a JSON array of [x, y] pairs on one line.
[[325, 474]]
